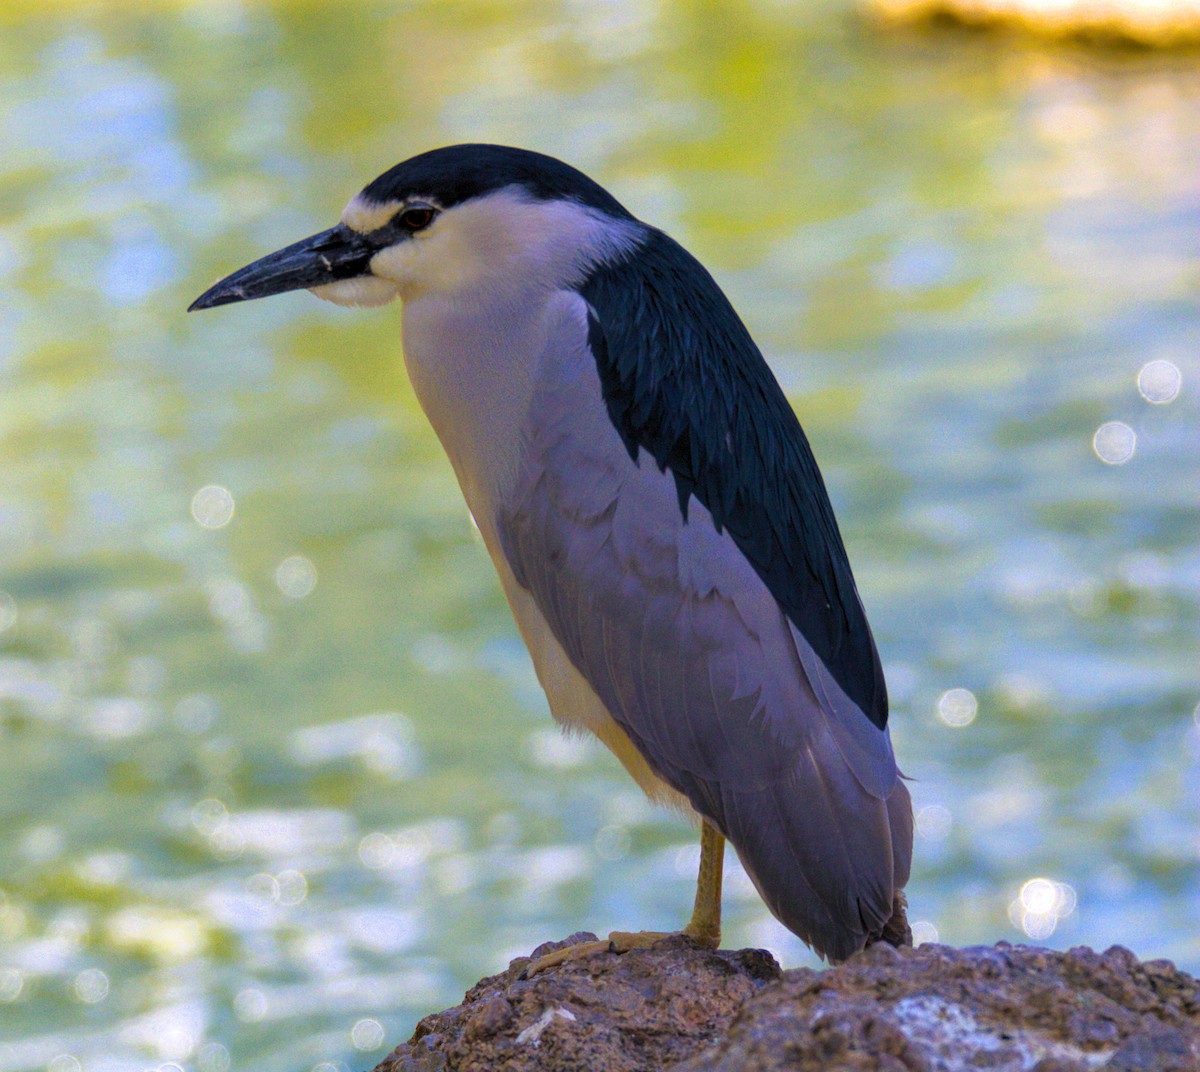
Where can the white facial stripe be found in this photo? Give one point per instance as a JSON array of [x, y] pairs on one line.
[[503, 242], [365, 216]]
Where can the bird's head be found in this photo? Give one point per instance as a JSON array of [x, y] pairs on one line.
[[447, 222]]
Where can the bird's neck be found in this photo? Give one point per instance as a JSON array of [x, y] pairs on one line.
[[477, 336], [472, 360]]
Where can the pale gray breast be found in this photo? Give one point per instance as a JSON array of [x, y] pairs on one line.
[[693, 658], [472, 364]]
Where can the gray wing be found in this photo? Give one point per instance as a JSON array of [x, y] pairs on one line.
[[695, 660]]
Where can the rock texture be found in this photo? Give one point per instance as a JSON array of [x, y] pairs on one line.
[[647, 1009], [1002, 1008], [931, 1009]]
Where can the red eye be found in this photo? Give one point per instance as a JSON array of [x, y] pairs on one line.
[[416, 217]]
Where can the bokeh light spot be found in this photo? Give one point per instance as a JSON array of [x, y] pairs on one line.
[[923, 931], [91, 986], [213, 1058], [367, 1035], [1114, 442], [1038, 895], [376, 851], [212, 506], [296, 577], [1039, 907], [292, 887], [957, 707], [1159, 382], [12, 982], [209, 816], [263, 887]]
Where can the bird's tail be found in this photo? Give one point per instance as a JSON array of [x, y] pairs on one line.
[[829, 859], [896, 930]]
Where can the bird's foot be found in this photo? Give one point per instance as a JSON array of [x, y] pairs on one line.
[[616, 943], [578, 951]]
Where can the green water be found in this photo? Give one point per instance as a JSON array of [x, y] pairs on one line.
[[272, 790]]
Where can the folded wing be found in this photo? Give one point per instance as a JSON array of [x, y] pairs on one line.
[[692, 655]]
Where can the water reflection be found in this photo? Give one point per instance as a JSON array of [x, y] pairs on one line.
[[277, 775]]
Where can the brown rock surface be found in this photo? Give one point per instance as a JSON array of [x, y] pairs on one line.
[[933, 1009]]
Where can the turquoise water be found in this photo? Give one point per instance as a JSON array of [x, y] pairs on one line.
[[275, 775]]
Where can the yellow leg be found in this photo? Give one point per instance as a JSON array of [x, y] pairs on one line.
[[704, 926]]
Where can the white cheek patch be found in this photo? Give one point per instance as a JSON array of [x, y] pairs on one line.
[[409, 265], [363, 290], [503, 241]]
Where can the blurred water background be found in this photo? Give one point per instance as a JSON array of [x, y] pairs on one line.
[[276, 778]]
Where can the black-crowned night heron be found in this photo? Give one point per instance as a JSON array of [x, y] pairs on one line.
[[654, 511]]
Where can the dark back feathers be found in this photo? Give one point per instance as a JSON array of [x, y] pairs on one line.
[[683, 380]]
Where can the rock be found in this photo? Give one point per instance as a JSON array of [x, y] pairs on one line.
[[931, 1009], [1162, 1051], [934, 1008]]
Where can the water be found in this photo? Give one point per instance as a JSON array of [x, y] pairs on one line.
[[275, 776]]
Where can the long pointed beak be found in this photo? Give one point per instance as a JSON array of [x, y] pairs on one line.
[[339, 253]]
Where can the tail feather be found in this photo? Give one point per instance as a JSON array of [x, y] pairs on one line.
[[896, 931], [827, 857]]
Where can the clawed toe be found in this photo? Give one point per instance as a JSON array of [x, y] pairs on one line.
[[616, 943], [578, 951]]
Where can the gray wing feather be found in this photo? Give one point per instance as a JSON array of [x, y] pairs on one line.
[[693, 658]]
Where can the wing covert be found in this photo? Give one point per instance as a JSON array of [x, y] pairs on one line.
[[684, 381]]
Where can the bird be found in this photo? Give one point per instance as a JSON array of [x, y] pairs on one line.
[[654, 512]]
